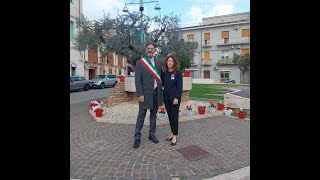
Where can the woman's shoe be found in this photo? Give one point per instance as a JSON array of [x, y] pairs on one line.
[[173, 143], [169, 139]]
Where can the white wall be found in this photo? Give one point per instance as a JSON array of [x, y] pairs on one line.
[[75, 56]]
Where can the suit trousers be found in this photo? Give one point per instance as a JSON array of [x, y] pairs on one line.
[[173, 114], [142, 114]]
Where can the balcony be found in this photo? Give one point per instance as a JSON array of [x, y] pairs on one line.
[[206, 62], [225, 61], [243, 40], [206, 43]]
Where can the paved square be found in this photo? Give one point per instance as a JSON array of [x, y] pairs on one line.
[[193, 152]]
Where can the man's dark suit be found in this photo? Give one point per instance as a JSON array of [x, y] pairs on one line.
[[144, 82]]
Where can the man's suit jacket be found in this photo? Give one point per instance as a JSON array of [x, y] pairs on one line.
[[144, 81]]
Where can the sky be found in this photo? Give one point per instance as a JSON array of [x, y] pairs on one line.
[[191, 12]]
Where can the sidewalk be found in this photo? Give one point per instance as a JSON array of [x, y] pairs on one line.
[[100, 150]]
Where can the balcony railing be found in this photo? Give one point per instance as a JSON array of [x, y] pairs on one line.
[[242, 40], [206, 43], [225, 61], [206, 62]]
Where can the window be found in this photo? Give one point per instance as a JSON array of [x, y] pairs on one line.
[[245, 32], [207, 56], [71, 31], [74, 78], [225, 36], [190, 37], [224, 76], [245, 51], [225, 54], [206, 38], [119, 71], [73, 71]]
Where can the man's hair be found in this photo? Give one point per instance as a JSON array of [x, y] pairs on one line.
[[150, 43]]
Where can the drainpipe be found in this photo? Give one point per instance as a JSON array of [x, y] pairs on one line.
[[200, 52]]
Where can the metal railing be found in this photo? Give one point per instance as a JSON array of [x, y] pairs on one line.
[[234, 41]]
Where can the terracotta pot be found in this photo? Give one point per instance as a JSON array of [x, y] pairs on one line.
[[220, 106], [202, 111], [98, 112], [187, 74], [242, 115], [121, 78]]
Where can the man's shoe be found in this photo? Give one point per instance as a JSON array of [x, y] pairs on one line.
[[153, 139], [136, 143]]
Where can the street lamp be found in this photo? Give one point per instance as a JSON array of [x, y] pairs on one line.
[[125, 9]]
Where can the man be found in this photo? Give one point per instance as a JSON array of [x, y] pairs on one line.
[[149, 91]]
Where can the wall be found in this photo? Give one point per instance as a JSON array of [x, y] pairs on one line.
[[75, 56], [215, 39]]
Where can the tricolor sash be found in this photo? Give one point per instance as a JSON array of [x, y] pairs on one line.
[[153, 70]]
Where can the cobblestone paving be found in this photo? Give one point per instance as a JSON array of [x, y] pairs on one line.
[[104, 151]]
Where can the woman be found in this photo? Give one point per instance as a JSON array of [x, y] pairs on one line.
[[172, 83]]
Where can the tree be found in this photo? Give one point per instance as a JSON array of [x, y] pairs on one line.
[[244, 64], [122, 35]]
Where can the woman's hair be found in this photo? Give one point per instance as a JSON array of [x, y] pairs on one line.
[[176, 65]]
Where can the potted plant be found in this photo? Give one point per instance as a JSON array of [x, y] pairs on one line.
[[162, 114], [201, 108], [212, 107], [220, 106], [98, 111], [186, 74], [228, 111], [242, 114], [121, 78], [189, 110]]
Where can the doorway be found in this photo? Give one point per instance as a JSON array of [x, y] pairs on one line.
[[206, 74], [92, 73]]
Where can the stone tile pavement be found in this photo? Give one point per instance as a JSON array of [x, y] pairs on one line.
[[100, 150]]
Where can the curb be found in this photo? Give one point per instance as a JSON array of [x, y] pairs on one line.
[[240, 174], [159, 122]]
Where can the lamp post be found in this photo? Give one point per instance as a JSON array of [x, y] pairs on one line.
[[125, 9]]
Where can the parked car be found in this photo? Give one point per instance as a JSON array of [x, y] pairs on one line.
[[229, 81], [79, 82], [104, 80]]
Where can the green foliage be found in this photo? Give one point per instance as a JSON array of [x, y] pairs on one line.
[[243, 61], [122, 34]]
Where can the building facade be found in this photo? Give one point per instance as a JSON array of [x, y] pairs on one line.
[[76, 58], [218, 38], [90, 63]]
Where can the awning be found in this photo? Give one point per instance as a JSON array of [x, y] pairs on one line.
[[73, 65], [224, 70], [192, 69]]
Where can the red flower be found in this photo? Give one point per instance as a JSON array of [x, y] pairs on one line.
[[228, 107], [211, 104]]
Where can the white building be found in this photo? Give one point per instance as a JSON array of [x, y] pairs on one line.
[[218, 38], [76, 58]]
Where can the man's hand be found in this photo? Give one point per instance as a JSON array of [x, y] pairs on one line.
[[175, 101], [141, 98]]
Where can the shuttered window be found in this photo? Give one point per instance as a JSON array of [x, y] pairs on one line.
[[244, 51], [225, 34], [245, 32]]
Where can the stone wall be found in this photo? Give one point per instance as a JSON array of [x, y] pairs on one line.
[[118, 95]]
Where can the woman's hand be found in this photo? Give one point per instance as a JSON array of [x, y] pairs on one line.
[[175, 101]]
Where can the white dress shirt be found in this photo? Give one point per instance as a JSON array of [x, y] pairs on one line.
[[155, 81]]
